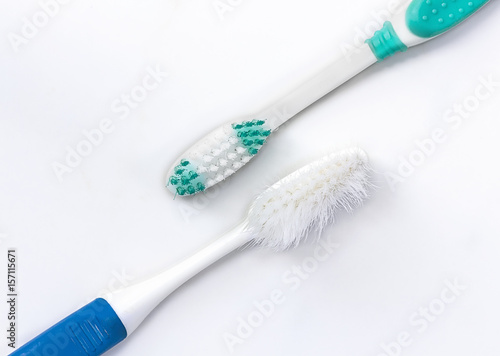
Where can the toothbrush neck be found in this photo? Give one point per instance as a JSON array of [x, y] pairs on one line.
[[205, 257], [337, 72], [134, 303]]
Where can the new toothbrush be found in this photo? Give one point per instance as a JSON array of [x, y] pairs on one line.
[[279, 218], [222, 152]]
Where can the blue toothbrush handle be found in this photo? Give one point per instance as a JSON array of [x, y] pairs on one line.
[[90, 331]]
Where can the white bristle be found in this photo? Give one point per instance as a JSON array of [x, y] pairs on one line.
[[207, 158], [307, 199]]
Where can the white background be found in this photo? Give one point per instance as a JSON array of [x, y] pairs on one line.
[[112, 215]]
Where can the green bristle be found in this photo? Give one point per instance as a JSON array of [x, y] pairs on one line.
[[185, 179], [254, 130]]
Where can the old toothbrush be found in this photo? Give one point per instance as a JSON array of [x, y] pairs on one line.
[[279, 218]]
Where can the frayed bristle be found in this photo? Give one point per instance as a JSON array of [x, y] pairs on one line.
[[283, 215]]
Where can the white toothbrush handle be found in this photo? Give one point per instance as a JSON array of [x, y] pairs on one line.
[[133, 304], [331, 77], [414, 22]]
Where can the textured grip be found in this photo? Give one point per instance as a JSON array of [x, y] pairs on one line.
[[385, 42], [429, 18], [90, 331]]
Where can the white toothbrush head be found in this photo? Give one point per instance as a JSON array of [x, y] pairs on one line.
[[307, 199], [217, 156]]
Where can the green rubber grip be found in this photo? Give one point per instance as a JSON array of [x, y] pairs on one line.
[[385, 42], [429, 18]]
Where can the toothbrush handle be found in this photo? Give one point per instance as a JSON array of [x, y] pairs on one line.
[[427, 19], [90, 331], [418, 21]]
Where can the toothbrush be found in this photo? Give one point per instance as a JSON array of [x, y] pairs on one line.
[[224, 151], [279, 218]]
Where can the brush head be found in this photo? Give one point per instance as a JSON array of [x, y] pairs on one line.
[[307, 199], [217, 156]]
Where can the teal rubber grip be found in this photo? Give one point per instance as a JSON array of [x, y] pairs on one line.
[[90, 331], [385, 42], [429, 18]]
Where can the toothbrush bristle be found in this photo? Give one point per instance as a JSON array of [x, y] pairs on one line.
[[217, 156], [307, 199]]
